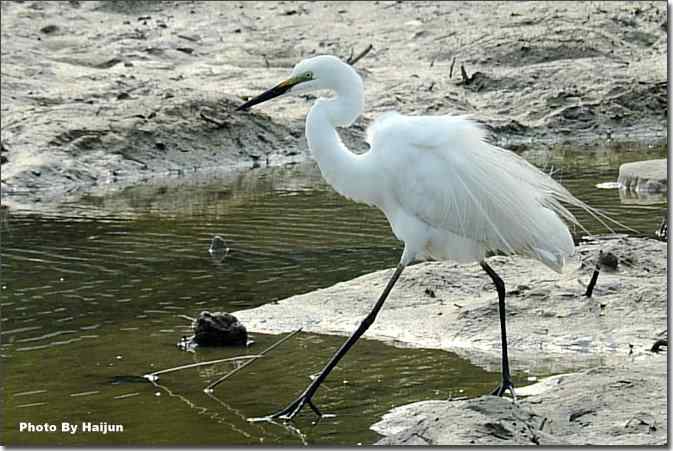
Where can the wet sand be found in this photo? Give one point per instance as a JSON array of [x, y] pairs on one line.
[[100, 93]]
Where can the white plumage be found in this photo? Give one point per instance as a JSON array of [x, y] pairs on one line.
[[447, 193], [465, 196]]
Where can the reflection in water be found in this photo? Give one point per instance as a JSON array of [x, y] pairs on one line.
[[642, 197], [98, 289]]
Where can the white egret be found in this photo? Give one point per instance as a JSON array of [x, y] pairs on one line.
[[447, 193]]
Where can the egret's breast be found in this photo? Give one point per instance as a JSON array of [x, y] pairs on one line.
[[406, 227], [426, 242]]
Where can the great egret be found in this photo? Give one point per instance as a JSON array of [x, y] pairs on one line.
[[447, 193]]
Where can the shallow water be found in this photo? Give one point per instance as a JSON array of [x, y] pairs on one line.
[[92, 293]]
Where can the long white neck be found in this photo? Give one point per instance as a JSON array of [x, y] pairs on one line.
[[347, 172]]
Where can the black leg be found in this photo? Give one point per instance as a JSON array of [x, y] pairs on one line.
[[506, 383], [305, 398]]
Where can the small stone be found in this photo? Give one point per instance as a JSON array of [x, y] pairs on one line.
[[49, 29], [644, 176]]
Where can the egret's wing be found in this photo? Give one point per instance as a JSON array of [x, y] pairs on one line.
[[441, 170], [381, 122]]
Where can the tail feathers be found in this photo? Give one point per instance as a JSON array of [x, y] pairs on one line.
[[599, 215]]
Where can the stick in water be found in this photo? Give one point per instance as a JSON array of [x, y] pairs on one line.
[[153, 376], [210, 387]]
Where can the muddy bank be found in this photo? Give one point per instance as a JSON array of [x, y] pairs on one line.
[[96, 93], [552, 328], [624, 405]]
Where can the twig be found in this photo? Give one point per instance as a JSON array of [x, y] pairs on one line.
[[212, 121], [439, 38], [453, 62], [235, 370], [592, 282], [352, 61], [658, 344], [463, 74], [130, 158], [188, 318], [152, 376], [594, 276]]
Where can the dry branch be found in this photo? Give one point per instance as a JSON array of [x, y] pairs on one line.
[[352, 60], [207, 118], [235, 370], [153, 376]]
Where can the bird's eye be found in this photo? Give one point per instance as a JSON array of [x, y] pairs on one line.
[[308, 75]]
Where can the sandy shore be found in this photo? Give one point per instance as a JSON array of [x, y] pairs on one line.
[[100, 93], [600, 406], [552, 328]]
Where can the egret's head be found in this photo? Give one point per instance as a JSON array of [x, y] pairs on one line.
[[312, 74]]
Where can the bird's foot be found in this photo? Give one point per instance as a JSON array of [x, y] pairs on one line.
[[292, 409], [505, 385]]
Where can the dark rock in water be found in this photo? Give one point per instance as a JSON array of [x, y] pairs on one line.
[[648, 176], [219, 329]]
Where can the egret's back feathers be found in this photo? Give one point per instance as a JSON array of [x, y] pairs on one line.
[[440, 170]]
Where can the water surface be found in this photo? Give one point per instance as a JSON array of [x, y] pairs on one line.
[[94, 293]]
